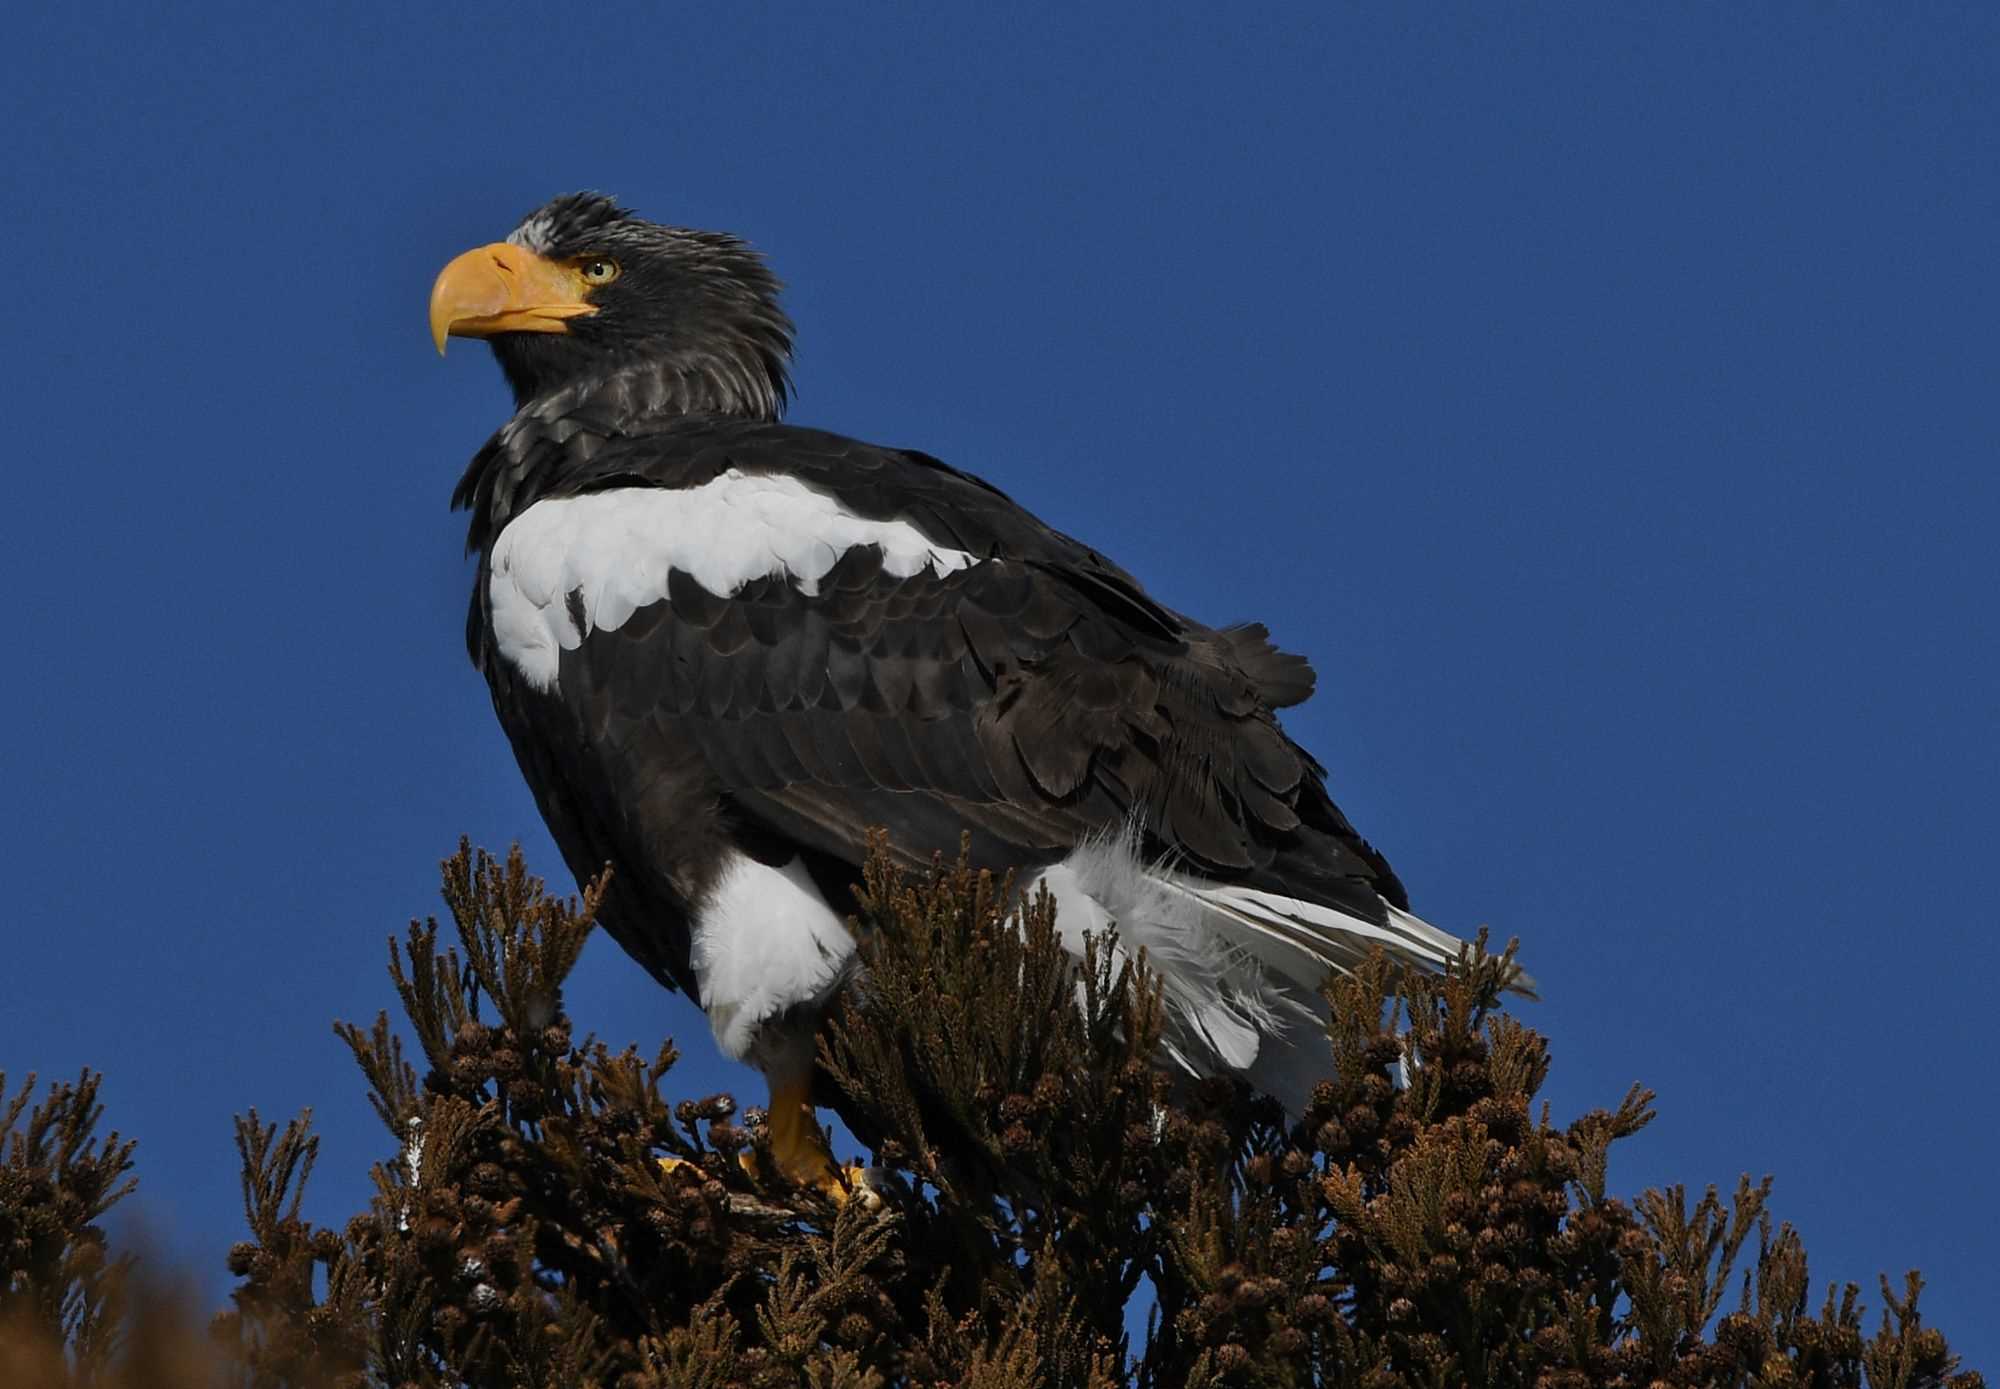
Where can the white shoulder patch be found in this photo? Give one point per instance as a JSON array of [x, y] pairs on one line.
[[613, 550], [765, 941]]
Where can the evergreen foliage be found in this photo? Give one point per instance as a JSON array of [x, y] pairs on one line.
[[59, 1283], [1424, 1225]]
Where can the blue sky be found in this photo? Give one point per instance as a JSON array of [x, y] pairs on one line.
[[1605, 403]]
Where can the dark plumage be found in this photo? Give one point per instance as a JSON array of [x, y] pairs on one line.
[[697, 310], [1018, 683]]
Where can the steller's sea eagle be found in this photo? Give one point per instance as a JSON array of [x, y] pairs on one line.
[[724, 647]]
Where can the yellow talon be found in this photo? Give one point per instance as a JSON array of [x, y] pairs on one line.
[[800, 1153]]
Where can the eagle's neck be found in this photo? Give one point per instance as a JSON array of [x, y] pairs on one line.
[[565, 425], [746, 379]]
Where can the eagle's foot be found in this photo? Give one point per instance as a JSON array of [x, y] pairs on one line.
[[799, 1153], [674, 1164], [809, 1165], [817, 1171], [865, 1185]]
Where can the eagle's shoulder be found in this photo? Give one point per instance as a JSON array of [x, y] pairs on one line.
[[696, 475], [872, 481]]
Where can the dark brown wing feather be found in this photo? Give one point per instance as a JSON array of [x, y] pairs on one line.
[[1036, 697], [1001, 697]]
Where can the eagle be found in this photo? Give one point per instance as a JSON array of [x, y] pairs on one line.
[[725, 648]]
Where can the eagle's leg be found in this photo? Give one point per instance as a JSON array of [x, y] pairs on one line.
[[799, 1149]]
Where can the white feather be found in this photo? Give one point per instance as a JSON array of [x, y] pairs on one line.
[[615, 549], [765, 942], [537, 234], [1240, 968]]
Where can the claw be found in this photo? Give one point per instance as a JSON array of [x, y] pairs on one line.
[[800, 1154], [863, 1184], [818, 1172]]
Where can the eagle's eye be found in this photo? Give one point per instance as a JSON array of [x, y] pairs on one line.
[[599, 270]]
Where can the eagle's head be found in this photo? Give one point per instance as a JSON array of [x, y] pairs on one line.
[[583, 291]]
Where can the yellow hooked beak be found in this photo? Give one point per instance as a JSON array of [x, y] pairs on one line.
[[503, 288]]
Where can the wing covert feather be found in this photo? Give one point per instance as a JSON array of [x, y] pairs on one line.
[[1037, 694], [999, 695]]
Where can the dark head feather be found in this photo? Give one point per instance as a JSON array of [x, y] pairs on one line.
[[694, 312]]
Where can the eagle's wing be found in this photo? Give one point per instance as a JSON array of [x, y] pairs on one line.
[[916, 652]]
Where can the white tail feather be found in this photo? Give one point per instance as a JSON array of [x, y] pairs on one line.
[[1239, 968]]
